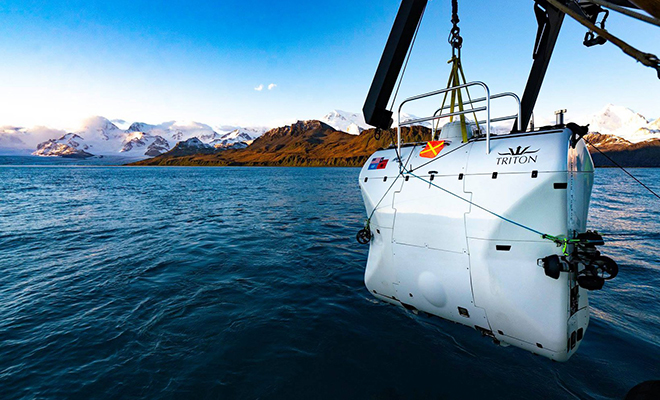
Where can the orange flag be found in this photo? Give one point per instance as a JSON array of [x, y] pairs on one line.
[[432, 149]]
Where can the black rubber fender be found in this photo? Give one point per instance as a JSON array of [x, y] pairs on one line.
[[552, 266]]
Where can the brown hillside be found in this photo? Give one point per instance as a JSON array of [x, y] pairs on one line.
[[315, 144], [305, 143], [643, 154]]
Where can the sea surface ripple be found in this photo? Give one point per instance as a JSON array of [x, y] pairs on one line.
[[246, 283]]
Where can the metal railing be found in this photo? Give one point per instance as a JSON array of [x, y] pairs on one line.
[[473, 109]]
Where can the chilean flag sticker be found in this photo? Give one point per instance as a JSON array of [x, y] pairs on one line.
[[378, 163]]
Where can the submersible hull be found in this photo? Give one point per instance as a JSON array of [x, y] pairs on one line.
[[457, 235]]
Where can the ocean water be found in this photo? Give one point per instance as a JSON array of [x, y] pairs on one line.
[[247, 283]]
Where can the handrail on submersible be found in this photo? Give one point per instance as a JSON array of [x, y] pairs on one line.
[[435, 116]]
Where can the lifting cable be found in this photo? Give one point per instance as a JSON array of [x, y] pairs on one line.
[[456, 41], [456, 74], [621, 168]]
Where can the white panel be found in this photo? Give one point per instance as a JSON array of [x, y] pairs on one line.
[[514, 193], [451, 160], [429, 217], [380, 186], [519, 299], [532, 202], [438, 281], [380, 274]]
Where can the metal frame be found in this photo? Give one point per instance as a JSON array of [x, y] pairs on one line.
[[437, 116], [498, 119]]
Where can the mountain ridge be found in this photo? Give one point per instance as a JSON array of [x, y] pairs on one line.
[[315, 143], [311, 143], [99, 136]]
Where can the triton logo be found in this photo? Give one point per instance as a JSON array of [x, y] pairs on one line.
[[518, 151], [517, 156]]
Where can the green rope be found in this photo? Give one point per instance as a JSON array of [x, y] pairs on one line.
[[562, 241]]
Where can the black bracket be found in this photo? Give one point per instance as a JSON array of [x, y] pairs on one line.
[[591, 12], [578, 132]]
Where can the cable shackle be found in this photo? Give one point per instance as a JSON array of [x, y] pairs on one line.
[[455, 39]]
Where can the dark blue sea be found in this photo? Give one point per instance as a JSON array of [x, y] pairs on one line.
[[247, 283]]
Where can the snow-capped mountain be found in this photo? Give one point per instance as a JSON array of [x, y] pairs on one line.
[[149, 145], [354, 123], [176, 131], [624, 123], [100, 137], [611, 120], [238, 138], [54, 148], [191, 146], [345, 121], [652, 129], [194, 143], [140, 127], [254, 131]]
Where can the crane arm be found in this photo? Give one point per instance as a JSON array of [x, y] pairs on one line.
[[406, 22], [549, 24]]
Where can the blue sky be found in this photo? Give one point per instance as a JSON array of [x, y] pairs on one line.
[[63, 61]]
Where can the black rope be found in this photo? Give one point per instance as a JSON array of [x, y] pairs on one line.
[[639, 235], [405, 65], [627, 237], [620, 167]]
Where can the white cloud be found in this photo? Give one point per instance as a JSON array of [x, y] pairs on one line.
[[12, 137], [259, 88], [271, 86]]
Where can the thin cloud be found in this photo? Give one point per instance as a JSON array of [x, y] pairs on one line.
[[259, 88], [272, 86]]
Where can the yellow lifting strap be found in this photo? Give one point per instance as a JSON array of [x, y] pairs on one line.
[[457, 78]]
